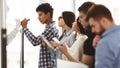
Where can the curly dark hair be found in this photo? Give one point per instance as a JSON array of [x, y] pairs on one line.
[[45, 7]]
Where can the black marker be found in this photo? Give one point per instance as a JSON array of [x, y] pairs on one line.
[[28, 19]]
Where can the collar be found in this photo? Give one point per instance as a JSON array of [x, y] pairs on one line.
[[111, 30], [69, 32], [50, 24]]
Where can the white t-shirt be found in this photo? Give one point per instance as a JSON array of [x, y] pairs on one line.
[[76, 49]]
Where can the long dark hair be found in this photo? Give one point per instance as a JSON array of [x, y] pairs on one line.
[[69, 18], [82, 30]]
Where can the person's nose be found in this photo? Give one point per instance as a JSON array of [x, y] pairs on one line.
[[38, 17]]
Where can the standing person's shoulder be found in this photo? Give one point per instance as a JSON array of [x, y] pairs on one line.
[[53, 24]]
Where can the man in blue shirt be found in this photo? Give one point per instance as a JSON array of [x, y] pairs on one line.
[[108, 48]]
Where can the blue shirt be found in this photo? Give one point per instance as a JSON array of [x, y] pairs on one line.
[[69, 42], [71, 39], [108, 49]]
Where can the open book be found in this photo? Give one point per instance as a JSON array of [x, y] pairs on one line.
[[68, 64], [47, 42], [62, 41], [55, 39]]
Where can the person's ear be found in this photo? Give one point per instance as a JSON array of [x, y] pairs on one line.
[[48, 14], [103, 21]]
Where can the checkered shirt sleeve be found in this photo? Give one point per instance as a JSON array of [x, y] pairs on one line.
[[33, 39]]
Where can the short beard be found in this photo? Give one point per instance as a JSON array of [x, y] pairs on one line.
[[102, 30]]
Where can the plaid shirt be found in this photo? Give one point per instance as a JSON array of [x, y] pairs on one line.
[[46, 59]]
